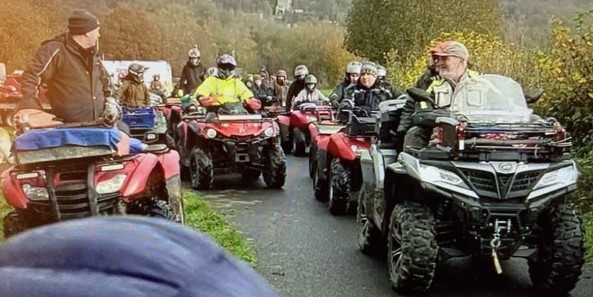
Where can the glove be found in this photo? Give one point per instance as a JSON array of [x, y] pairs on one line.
[[207, 101], [253, 103], [26, 119], [335, 103]]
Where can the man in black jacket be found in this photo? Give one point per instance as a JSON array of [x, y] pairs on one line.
[[70, 67], [297, 85]]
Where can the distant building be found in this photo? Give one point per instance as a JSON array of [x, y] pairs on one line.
[[282, 8]]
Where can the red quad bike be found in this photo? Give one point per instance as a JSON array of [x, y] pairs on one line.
[[338, 177], [495, 183], [70, 171], [230, 140], [294, 126], [320, 131]]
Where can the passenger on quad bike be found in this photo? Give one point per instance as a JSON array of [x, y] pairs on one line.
[[338, 167], [133, 92], [297, 85], [193, 72], [494, 184], [76, 80], [450, 58], [350, 78], [310, 94]]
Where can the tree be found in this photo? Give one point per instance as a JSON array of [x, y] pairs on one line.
[[374, 27]]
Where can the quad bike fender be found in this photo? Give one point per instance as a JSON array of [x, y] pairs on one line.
[[283, 120], [139, 175], [313, 130], [12, 191], [301, 119], [346, 148], [322, 142], [170, 163]]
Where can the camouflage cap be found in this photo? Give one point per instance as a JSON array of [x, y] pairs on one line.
[[450, 48]]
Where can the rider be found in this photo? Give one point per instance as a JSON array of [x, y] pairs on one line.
[[133, 92], [297, 85], [281, 86], [367, 92], [310, 93], [156, 84], [225, 87], [260, 90], [192, 74], [450, 61], [351, 77]]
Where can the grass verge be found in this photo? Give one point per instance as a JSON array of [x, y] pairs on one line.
[[200, 216], [588, 221]]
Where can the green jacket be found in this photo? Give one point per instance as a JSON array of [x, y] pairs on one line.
[[134, 94]]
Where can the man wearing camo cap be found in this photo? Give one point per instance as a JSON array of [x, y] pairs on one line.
[[450, 61]]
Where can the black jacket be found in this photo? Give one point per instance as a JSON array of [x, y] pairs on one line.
[[295, 88], [339, 91], [191, 77], [369, 97], [75, 78]]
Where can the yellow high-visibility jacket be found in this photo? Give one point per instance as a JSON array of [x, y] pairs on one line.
[[223, 90]]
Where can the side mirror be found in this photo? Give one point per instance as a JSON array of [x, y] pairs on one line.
[[533, 95]]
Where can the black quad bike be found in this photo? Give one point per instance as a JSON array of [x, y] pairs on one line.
[[494, 183], [230, 140]]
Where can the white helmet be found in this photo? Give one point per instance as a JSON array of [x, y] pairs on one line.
[[301, 70], [194, 52], [353, 67]]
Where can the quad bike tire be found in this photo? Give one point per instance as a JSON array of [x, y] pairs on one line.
[[558, 264], [202, 170], [320, 187], [411, 248], [250, 174], [275, 173], [339, 188], [14, 223], [155, 209], [370, 241], [312, 161], [300, 142]]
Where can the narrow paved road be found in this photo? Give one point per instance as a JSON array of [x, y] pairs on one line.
[[304, 251]]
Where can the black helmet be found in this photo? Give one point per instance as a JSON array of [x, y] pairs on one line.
[[136, 72], [226, 66]]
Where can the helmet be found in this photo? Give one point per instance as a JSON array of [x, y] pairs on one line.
[[156, 76], [381, 71], [194, 52], [310, 79], [301, 70], [226, 66], [353, 67], [281, 73], [136, 71]]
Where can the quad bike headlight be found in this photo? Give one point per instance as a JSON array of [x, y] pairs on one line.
[[444, 179], [35, 193], [561, 177], [269, 132], [211, 133], [150, 136], [111, 185]]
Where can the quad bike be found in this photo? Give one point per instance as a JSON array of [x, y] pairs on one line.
[[294, 126], [494, 183], [320, 131], [230, 140], [148, 124], [338, 175], [71, 171]]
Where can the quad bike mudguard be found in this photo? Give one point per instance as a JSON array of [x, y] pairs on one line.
[[144, 166], [344, 147]]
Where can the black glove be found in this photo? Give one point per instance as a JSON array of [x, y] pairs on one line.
[[335, 103]]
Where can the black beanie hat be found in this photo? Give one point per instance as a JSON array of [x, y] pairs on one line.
[[81, 22]]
